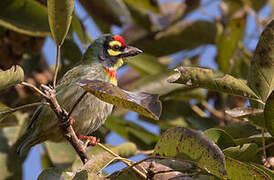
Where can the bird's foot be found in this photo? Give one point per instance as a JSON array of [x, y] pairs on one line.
[[71, 121], [92, 141]]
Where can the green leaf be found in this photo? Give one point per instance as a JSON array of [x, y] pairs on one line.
[[148, 5], [60, 15], [181, 143], [258, 139], [61, 154], [132, 132], [237, 170], [228, 42], [55, 174], [240, 129], [212, 80], [146, 64], [10, 77], [79, 29], [11, 163], [269, 172], [157, 83], [186, 94], [269, 113], [219, 137], [178, 37], [254, 116], [245, 152], [261, 72], [25, 16], [71, 52], [106, 13], [5, 112], [140, 102]]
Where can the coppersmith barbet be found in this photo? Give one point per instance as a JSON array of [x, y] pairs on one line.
[[100, 62]]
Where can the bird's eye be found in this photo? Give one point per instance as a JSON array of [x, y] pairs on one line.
[[115, 47]]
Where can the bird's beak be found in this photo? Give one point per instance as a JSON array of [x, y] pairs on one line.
[[130, 51]]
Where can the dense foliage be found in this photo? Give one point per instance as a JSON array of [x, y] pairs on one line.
[[215, 124]]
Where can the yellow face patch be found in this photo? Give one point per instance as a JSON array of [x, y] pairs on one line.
[[118, 64], [112, 50]]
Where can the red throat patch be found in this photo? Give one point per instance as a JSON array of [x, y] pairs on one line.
[[120, 39], [111, 73]]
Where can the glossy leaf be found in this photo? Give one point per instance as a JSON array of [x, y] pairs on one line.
[[140, 102], [261, 72], [219, 137], [25, 16], [10, 77], [61, 154], [212, 80], [237, 170], [182, 143], [132, 132], [245, 152], [181, 36], [228, 42], [269, 113], [60, 15], [254, 116]]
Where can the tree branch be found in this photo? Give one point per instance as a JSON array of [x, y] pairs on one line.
[[64, 124], [63, 119]]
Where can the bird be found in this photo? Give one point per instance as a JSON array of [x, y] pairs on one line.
[[100, 62]]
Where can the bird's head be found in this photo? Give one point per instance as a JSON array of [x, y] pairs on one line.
[[111, 51]]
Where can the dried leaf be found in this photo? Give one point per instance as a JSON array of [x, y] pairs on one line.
[[184, 143], [140, 102]]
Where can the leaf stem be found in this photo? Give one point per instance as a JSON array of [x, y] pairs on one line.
[[28, 105], [76, 103], [56, 65], [34, 88], [126, 161]]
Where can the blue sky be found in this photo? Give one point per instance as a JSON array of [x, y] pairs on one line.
[[32, 165]]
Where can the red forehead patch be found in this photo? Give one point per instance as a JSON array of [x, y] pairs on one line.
[[120, 39]]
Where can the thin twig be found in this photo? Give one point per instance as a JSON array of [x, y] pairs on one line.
[[56, 66], [263, 142], [77, 102], [34, 88], [28, 106], [148, 152], [123, 160], [265, 147], [65, 126]]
